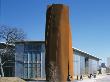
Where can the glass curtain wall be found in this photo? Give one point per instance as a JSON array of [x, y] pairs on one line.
[[93, 66], [79, 64], [32, 61], [86, 65], [76, 65], [82, 65]]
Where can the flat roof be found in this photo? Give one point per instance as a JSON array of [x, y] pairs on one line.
[[85, 54]]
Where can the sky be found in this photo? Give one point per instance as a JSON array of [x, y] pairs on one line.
[[89, 21]]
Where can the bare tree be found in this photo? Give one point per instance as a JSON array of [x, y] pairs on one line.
[[9, 35]]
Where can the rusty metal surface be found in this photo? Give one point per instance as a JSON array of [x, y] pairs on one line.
[[58, 43]]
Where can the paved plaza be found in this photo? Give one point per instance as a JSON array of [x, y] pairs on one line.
[[105, 78]]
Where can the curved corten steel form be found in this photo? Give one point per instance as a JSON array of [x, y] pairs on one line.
[[58, 43]]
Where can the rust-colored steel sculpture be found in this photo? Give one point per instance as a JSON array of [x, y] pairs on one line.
[[58, 42]]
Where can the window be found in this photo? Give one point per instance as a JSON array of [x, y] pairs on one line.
[[30, 57], [25, 72], [25, 57], [38, 70], [34, 57], [30, 65], [38, 57], [30, 70], [34, 71], [32, 61], [25, 65]]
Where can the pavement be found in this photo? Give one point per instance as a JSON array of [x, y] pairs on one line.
[[102, 78], [11, 79]]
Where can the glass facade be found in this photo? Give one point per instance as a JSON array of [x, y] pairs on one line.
[[76, 65], [30, 61], [32, 64], [79, 64], [32, 53], [84, 64], [93, 66]]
